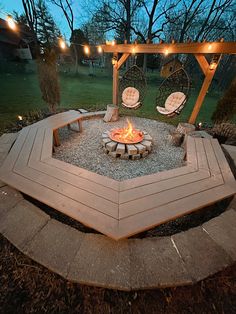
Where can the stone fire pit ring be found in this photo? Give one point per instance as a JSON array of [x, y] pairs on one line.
[[127, 151]]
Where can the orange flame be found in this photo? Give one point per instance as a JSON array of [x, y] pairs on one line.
[[127, 134]]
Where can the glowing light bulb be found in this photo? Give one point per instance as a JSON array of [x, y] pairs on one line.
[[99, 49], [20, 118], [209, 46], [62, 44], [11, 23], [113, 42], [166, 52], [133, 50], [86, 50]]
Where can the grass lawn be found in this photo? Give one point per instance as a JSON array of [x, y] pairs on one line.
[[20, 94]]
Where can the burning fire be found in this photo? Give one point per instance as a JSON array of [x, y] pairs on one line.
[[127, 135]]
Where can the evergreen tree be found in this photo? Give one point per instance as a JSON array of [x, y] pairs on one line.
[[47, 31]]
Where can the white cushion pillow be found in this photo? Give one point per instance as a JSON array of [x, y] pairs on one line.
[[174, 101], [130, 96]]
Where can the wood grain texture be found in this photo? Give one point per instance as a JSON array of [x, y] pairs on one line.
[[117, 209]]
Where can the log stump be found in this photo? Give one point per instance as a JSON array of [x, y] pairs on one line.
[[185, 128], [112, 113]]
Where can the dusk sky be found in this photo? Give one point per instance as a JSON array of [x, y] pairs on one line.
[[8, 6]]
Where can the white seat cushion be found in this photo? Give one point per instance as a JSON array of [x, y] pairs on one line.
[[163, 110], [130, 96], [134, 106], [175, 100]]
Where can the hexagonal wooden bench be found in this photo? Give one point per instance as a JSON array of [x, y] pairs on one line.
[[117, 209]]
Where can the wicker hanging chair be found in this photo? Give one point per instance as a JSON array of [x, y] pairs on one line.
[[173, 93], [132, 85]]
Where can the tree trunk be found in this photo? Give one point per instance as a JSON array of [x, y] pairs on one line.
[[76, 59]]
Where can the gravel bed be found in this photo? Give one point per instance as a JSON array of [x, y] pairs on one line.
[[85, 150]]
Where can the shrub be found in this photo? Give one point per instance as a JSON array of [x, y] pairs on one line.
[[226, 107]]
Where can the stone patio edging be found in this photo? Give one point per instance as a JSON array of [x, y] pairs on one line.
[[132, 264]]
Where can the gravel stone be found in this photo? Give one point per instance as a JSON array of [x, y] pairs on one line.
[[85, 149]]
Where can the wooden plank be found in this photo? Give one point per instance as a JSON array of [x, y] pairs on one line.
[[212, 161], [70, 178], [92, 176], [82, 197], [201, 154], [202, 61], [9, 162], [36, 148], [167, 196], [191, 152], [156, 177], [23, 157], [7, 138], [67, 206], [77, 181], [223, 164], [187, 48], [115, 84], [121, 61], [201, 96], [159, 215], [47, 144], [157, 187]]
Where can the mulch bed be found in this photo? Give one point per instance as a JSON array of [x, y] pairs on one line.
[[27, 287]]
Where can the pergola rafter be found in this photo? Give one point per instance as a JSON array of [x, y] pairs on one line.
[[199, 50]]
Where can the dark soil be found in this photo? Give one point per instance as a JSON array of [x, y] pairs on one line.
[[27, 287]]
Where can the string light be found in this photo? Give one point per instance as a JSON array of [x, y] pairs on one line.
[[113, 42], [166, 52], [133, 50], [213, 65], [209, 46], [11, 23], [20, 118], [86, 50], [62, 44], [114, 60], [99, 49]]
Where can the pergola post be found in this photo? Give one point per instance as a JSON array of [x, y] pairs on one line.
[[116, 68], [209, 72], [115, 80]]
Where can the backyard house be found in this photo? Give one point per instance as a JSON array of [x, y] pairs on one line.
[[170, 66], [14, 45]]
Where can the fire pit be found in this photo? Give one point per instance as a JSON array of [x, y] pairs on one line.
[[127, 142]]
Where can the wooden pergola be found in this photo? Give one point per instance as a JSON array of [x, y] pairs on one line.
[[199, 50]]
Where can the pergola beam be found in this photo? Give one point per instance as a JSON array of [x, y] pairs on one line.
[[204, 65], [209, 74], [186, 48]]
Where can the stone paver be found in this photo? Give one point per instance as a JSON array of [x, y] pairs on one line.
[[231, 150], [156, 263], [8, 198], [21, 223], [201, 255], [222, 230], [55, 246], [103, 262]]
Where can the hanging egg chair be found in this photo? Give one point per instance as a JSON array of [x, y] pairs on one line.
[[132, 88], [173, 93]]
